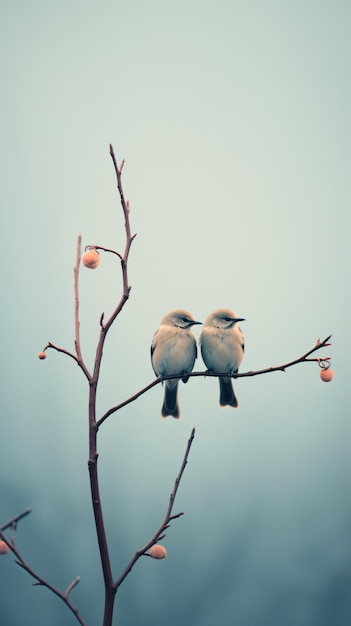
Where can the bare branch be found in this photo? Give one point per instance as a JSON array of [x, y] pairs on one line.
[[41, 581], [59, 349], [279, 368], [68, 353], [73, 584], [105, 250], [93, 383], [159, 534], [93, 463], [175, 516], [128, 401], [78, 359], [12, 523], [76, 311], [125, 205], [302, 359]]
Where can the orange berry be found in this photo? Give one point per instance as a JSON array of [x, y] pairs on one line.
[[91, 258], [42, 355], [157, 551], [326, 375], [4, 549]]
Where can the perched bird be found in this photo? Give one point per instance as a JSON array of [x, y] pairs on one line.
[[173, 351], [222, 349]]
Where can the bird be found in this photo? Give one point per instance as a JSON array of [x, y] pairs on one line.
[[222, 349], [173, 352]]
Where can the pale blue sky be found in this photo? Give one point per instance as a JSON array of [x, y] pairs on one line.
[[233, 118]]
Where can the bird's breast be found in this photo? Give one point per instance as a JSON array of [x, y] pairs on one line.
[[174, 354], [221, 350]]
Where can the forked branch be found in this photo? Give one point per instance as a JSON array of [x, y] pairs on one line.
[[12, 523], [93, 379], [160, 532], [42, 582]]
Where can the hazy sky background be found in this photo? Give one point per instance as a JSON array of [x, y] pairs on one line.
[[234, 120]]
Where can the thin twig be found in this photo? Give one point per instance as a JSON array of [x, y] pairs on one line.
[[105, 250], [78, 359], [76, 311], [73, 584], [68, 353], [44, 583], [128, 401], [278, 368], [129, 240], [12, 523], [159, 534]]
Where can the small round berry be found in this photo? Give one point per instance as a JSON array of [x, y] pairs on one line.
[[326, 375], [4, 549], [157, 551], [91, 258], [42, 355]]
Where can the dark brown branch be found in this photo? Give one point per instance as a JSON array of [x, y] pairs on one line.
[[41, 581], [93, 456], [159, 534], [12, 523], [73, 584], [278, 368], [68, 353], [93, 382], [302, 359], [106, 250], [129, 240], [128, 401], [59, 349]]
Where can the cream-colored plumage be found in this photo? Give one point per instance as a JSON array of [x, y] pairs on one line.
[[222, 349], [173, 352]]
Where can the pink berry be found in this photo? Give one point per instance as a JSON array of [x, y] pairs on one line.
[[326, 375], [4, 549], [91, 258], [157, 551]]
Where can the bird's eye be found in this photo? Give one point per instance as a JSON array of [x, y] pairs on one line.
[[185, 319], [227, 319]]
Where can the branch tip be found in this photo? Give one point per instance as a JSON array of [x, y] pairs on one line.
[[12, 523], [176, 515], [73, 584]]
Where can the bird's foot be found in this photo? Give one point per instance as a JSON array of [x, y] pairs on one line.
[[232, 372]]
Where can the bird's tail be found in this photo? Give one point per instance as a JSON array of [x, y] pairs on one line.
[[170, 402], [227, 395]]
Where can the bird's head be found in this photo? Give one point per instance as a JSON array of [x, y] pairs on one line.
[[223, 318], [180, 318]]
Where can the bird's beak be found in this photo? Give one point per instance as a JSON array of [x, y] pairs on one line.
[[239, 319], [192, 323]]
